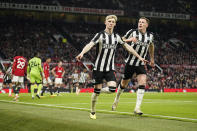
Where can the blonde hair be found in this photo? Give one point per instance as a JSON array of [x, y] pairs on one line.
[[111, 17]]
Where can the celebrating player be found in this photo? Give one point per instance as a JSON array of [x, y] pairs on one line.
[[58, 72], [106, 42], [47, 81], [141, 42], [19, 69], [35, 74]]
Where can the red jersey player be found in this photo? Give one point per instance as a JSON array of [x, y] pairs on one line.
[[58, 72], [19, 69], [47, 81], [1, 81]]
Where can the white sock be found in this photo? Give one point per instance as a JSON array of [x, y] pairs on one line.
[[140, 94], [119, 91], [94, 100], [77, 90], [10, 91], [105, 90]]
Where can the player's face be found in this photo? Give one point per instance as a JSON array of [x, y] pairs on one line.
[[142, 24], [49, 60], [110, 23], [60, 64]]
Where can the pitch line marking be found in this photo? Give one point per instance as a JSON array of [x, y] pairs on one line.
[[48, 105]]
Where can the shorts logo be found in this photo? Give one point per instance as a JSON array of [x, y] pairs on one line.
[[93, 81]]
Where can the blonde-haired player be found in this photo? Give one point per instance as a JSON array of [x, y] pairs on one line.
[[106, 42]]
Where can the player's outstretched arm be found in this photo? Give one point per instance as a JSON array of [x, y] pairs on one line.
[[131, 50], [85, 50]]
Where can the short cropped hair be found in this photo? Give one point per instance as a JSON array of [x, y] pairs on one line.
[[147, 20], [111, 17]]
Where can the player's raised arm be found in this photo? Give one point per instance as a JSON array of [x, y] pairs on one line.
[[85, 50]]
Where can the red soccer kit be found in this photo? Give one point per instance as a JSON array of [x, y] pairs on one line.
[[46, 70], [1, 77], [59, 71], [19, 67]]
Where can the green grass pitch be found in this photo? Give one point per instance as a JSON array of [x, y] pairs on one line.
[[70, 112]]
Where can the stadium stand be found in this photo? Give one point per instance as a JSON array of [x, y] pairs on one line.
[[175, 44]]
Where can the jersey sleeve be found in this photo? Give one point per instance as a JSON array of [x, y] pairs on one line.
[[120, 40], [127, 35], [151, 38], [96, 38]]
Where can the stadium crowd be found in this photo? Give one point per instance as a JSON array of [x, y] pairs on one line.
[[32, 35]]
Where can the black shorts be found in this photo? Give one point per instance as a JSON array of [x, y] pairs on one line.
[[130, 70], [100, 76], [7, 81]]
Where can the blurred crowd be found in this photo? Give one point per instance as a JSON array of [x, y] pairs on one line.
[[50, 40]]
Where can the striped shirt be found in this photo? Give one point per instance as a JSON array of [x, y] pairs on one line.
[[75, 77], [141, 46], [8, 75], [83, 77], [105, 50]]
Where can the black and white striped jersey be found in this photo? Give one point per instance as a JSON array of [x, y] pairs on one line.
[[141, 46], [83, 77], [105, 50], [8, 75], [75, 77]]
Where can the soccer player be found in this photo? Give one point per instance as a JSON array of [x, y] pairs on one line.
[[1, 81], [47, 81], [106, 42], [19, 69], [8, 79], [58, 72], [75, 79], [35, 74], [83, 79], [142, 41]]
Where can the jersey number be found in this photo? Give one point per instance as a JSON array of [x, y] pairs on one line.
[[20, 64], [33, 63]]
